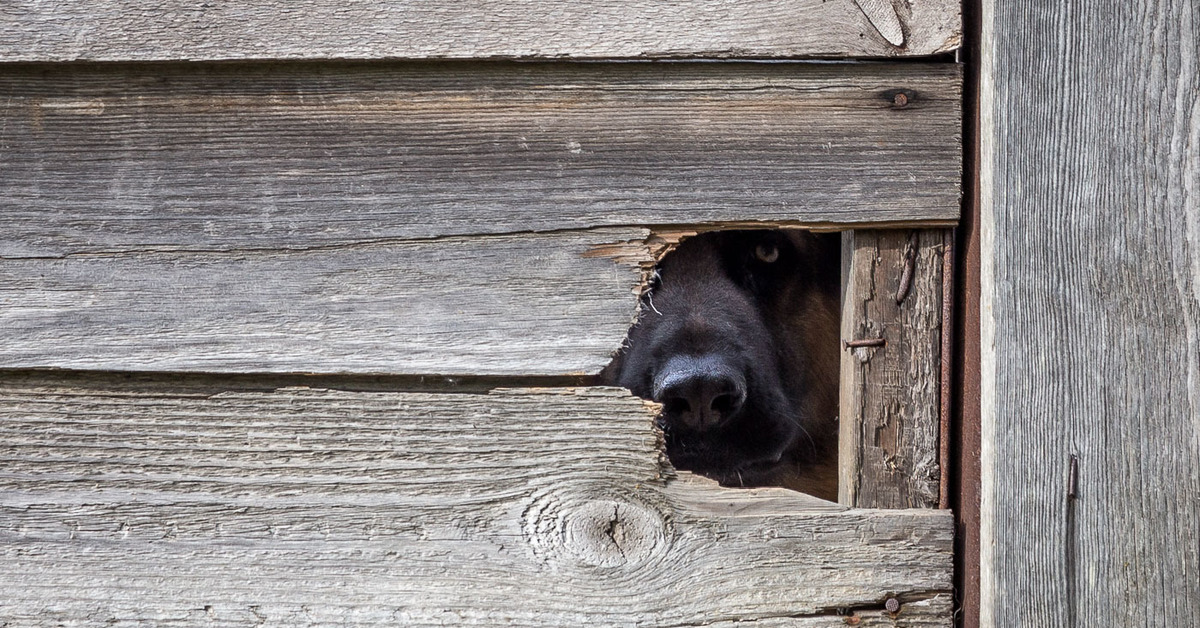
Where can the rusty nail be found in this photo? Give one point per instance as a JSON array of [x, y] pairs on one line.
[[1073, 479], [900, 99], [892, 605], [910, 266], [863, 342]]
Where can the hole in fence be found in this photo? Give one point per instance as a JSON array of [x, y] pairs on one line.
[[737, 337]]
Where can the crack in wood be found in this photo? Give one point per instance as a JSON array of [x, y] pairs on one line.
[[662, 239], [850, 615]]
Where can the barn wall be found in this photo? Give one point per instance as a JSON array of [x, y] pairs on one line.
[[292, 339], [1091, 307]]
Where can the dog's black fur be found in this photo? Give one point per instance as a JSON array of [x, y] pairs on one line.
[[738, 339]]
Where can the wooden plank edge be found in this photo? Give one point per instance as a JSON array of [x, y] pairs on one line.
[[663, 237], [640, 30]]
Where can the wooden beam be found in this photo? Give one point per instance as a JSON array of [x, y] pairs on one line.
[[110, 158], [891, 368], [1090, 216], [122, 30], [173, 505], [529, 304]]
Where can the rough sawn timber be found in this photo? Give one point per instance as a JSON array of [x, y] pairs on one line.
[[1090, 201], [126, 30], [890, 403], [102, 158], [178, 505], [523, 304]]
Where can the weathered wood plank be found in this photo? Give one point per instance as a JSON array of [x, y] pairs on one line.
[[122, 30], [172, 506], [101, 158], [1090, 185], [890, 403], [527, 304]]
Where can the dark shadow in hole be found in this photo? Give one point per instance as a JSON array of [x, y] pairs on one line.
[[737, 337]]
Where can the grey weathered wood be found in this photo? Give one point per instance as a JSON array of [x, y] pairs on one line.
[[1091, 301], [526, 304], [176, 506], [922, 613], [890, 403], [100, 158], [123, 30]]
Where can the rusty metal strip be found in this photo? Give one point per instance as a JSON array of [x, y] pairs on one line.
[[947, 374]]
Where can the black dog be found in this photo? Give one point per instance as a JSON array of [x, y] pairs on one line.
[[738, 340]]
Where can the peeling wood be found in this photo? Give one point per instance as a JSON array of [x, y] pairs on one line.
[[891, 369], [305, 506], [882, 14]]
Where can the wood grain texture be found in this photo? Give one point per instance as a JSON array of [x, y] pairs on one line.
[[1091, 300], [302, 506], [101, 158], [528, 304], [124, 30], [889, 417]]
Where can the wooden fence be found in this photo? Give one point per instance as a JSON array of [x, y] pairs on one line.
[[303, 305]]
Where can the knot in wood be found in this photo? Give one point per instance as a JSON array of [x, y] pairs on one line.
[[606, 531]]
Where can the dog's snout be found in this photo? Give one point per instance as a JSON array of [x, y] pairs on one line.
[[699, 393]]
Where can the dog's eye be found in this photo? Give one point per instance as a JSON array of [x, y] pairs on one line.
[[766, 253]]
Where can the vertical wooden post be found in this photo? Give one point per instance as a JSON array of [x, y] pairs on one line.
[[890, 368]]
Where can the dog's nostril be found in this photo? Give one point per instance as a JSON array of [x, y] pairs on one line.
[[699, 393], [727, 404], [676, 405]]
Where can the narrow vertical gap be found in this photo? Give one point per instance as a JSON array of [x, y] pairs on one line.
[[966, 408], [1070, 548]]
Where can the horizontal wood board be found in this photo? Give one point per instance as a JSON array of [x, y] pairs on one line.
[[525, 304], [175, 506], [105, 158], [1091, 313], [125, 30]]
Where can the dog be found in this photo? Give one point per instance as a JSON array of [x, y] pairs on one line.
[[737, 338]]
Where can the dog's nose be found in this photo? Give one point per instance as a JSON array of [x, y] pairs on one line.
[[699, 393]]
